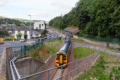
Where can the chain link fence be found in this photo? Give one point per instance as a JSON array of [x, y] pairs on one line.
[[74, 68], [20, 52], [114, 40]]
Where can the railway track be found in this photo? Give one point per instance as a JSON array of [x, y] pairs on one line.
[[58, 74]]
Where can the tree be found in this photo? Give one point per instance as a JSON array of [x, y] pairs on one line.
[[94, 17], [19, 36], [44, 32], [3, 33]]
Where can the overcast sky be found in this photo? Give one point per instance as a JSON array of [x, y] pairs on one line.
[[39, 9]]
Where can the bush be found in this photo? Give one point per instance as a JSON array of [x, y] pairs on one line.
[[9, 39]]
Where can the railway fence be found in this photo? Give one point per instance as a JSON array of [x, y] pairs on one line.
[[74, 68], [20, 52], [113, 40]]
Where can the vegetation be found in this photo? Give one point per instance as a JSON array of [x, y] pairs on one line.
[[78, 40], [44, 33], [107, 67], [80, 52], [3, 33], [43, 52], [38, 53], [53, 46], [9, 39], [19, 35], [94, 17], [17, 22]]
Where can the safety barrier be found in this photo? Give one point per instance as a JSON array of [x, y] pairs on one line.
[[20, 52], [74, 69], [99, 38]]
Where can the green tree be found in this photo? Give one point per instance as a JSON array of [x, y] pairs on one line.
[[19, 35], [94, 17]]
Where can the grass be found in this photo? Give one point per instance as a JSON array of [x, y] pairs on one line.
[[95, 73], [10, 38], [111, 48], [53, 46], [107, 67], [43, 52], [78, 40], [80, 52]]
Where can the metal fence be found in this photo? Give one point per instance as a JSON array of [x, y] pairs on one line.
[[20, 51], [74, 68], [99, 38]]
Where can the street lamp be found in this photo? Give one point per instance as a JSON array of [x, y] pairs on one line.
[[30, 21], [30, 25]]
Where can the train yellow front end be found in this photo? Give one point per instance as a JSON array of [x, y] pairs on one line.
[[61, 59], [62, 55]]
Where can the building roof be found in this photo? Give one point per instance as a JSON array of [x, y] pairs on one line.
[[72, 30], [23, 28], [39, 21]]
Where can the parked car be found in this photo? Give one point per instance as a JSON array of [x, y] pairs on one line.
[[1, 41], [22, 40]]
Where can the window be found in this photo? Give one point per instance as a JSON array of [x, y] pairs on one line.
[[64, 57], [39, 26], [58, 57]]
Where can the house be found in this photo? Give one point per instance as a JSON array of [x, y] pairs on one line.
[[40, 25], [10, 30], [22, 33]]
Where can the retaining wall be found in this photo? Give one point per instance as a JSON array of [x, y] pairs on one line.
[[4, 64]]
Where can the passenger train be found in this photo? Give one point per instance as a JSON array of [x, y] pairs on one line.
[[63, 54]]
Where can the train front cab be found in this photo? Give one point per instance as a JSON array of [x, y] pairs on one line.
[[61, 59]]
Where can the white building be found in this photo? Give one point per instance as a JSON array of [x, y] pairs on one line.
[[24, 31], [40, 25]]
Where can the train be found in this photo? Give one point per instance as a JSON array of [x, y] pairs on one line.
[[63, 54]]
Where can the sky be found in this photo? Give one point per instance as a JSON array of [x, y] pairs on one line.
[[38, 9]]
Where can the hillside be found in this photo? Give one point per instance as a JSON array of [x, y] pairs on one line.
[[94, 17], [16, 21]]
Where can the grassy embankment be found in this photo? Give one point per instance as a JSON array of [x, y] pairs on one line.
[[47, 49], [80, 52], [107, 67], [78, 40]]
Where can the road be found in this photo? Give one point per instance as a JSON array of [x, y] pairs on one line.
[[12, 44]]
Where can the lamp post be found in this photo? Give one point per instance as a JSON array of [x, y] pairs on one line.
[[30, 21], [30, 24], [61, 26]]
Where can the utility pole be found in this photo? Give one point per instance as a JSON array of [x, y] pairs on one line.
[[30, 24], [30, 21], [61, 25]]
